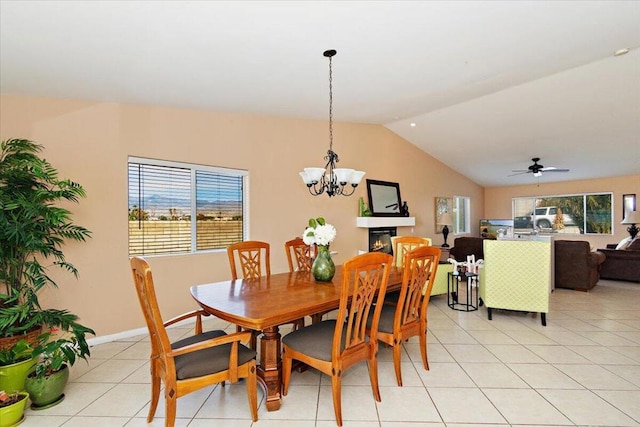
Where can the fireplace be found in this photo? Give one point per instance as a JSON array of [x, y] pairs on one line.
[[380, 239]]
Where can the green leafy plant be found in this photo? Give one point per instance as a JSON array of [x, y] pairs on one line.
[[33, 228], [54, 354], [18, 352]]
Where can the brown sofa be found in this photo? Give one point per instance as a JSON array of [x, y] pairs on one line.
[[576, 267], [464, 246], [620, 264]]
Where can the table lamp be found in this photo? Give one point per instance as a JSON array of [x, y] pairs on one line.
[[445, 220], [632, 218]]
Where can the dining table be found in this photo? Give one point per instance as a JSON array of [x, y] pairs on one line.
[[265, 303]]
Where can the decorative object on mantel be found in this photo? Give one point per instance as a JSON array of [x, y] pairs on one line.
[[445, 220], [384, 198], [321, 234], [363, 209], [332, 180], [632, 218], [405, 209]]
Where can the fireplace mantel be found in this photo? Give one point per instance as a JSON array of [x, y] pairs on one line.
[[385, 221]]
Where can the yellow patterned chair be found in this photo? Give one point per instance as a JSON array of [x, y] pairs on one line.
[[516, 276], [440, 282]]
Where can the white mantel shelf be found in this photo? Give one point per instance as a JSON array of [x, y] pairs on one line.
[[385, 221]]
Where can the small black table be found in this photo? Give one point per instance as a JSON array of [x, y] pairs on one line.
[[453, 285]]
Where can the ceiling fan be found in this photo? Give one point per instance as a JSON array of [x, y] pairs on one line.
[[536, 169]]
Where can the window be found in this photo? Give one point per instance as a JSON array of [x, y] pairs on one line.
[[569, 214], [165, 197], [461, 214]]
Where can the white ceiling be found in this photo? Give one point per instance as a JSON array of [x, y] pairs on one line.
[[489, 84]]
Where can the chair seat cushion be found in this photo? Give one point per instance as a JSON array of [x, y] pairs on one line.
[[385, 324], [314, 340], [209, 360]]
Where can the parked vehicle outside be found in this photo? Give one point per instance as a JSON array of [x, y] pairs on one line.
[[545, 217]]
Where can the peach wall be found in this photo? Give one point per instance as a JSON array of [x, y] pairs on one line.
[[498, 201], [89, 142]]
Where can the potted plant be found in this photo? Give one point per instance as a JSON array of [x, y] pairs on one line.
[[46, 382], [15, 363], [33, 228], [12, 407]]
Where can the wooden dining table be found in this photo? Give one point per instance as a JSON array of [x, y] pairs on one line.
[[264, 303]]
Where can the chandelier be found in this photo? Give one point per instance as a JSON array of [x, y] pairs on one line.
[[334, 181]]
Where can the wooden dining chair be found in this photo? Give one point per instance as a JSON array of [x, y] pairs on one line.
[[254, 259], [298, 255], [408, 318], [401, 246], [333, 346], [191, 363]]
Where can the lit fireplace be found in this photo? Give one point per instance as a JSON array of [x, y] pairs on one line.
[[380, 239]]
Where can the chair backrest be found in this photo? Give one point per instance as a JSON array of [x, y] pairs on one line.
[[364, 280], [160, 344], [297, 250], [418, 277], [403, 244], [252, 255]]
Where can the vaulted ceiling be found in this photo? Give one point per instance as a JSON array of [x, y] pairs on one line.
[[483, 86]]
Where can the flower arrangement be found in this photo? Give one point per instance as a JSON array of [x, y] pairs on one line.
[[319, 232]]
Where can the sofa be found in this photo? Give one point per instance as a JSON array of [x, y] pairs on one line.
[[621, 264], [464, 246], [576, 266]]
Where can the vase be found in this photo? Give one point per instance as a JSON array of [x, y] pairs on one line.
[[323, 267], [12, 377], [13, 414], [48, 391]]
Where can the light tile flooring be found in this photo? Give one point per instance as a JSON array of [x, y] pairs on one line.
[[582, 369]]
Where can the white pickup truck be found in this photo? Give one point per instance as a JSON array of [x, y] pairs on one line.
[[545, 217]]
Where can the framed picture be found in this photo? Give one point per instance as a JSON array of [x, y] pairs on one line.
[[384, 198], [443, 205], [628, 204]]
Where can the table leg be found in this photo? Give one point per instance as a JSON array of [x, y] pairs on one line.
[[270, 367]]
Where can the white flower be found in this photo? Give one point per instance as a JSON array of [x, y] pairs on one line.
[[319, 233]]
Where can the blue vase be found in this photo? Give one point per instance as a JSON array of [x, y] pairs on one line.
[[323, 267]]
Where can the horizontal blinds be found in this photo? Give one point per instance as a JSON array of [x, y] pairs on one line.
[[159, 209], [218, 209]]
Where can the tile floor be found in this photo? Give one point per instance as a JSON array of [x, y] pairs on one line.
[[582, 369]]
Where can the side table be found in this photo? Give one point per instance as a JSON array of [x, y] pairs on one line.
[[471, 281]]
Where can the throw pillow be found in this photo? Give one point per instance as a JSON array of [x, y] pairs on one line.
[[634, 245], [623, 244]]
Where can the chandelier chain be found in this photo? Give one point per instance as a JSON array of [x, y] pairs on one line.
[[330, 104]]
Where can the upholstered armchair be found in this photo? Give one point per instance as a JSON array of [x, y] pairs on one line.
[[576, 267], [516, 276]]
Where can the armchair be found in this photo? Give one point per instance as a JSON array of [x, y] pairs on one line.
[[576, 267], [516, 276]]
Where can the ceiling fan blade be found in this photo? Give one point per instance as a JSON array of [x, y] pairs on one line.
[[519, 173], [552, 169], [520, 170]]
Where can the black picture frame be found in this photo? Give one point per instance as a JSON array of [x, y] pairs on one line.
[[384, 198], [628, 204]]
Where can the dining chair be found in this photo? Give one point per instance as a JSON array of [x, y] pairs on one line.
[[300, 258], [401, 246], [333, 346], [191, 363], [408, 318], [298, 255], [254, 258]]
